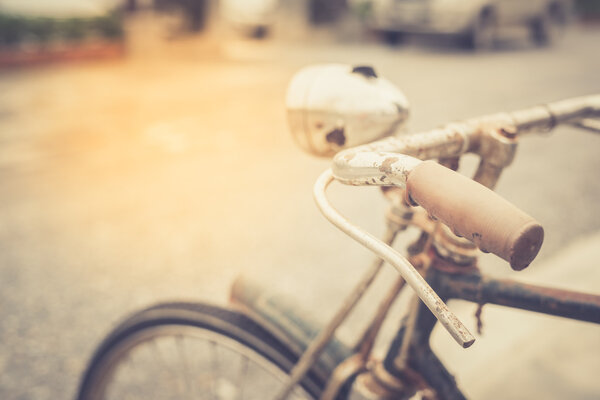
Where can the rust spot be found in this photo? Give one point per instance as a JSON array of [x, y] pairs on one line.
[[386, 166], [365, 70], [336, 136], [509, 131]]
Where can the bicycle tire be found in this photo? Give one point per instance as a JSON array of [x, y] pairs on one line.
[[235, 333]]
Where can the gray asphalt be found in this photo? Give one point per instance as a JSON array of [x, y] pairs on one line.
[[163, 175]]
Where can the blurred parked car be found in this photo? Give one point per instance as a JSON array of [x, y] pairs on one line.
[[194, 12], [476, 22], [252, 17], [325, 11]]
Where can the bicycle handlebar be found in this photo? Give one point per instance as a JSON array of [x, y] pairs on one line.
[[476, 212], [455, 139], [467, 207], [453, 325]]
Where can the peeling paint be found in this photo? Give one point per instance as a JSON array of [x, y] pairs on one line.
[[386, 166]]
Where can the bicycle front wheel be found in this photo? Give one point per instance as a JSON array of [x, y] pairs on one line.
[[192, 351]]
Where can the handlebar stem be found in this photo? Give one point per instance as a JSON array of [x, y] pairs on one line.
[[364, 165], [552, 114], [374, 163]]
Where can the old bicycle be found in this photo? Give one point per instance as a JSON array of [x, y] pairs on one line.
[[262, 348]]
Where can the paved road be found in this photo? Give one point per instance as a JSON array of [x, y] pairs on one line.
[[163, 175]]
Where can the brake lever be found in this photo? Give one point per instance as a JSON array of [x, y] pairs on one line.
[[447, 318], [589, 124]]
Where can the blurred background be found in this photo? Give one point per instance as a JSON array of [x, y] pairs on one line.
[[145, 156]]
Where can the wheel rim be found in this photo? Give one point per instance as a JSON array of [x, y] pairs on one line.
[[186, 362]]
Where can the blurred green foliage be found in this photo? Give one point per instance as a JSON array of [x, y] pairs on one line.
[[109, 26], [15, 29], [74, 29], [43, 29]]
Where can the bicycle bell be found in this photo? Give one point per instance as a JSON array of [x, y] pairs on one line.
[[334, 106]]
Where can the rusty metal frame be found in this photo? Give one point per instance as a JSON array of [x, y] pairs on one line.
[[388, 162], [477, 288], [480, 289]]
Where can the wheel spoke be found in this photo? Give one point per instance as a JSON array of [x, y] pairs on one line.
[[132, 368], [186, 367], [162, 358], [241, 382], [214, 358]]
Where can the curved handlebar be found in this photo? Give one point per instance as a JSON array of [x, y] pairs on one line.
[[360, 165], [467, 207], [453, 325]]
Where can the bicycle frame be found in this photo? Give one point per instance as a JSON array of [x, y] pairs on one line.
[[282, 316], [410, 362], [471, 286]]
